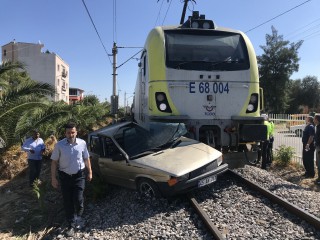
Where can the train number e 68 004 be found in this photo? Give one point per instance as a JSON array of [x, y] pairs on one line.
[[208, 87]]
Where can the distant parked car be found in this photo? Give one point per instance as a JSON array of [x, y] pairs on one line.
[[297, 129], [156, 162]]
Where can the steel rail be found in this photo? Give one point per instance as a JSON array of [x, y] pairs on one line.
[[205, 218], [313, 220]]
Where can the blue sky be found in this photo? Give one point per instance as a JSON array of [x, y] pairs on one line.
[[64, 27]]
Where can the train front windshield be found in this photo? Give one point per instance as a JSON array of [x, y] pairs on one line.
[[208, 51]]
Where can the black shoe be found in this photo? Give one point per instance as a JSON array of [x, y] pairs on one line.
[[70, 232], [317, 181], [79, 222]]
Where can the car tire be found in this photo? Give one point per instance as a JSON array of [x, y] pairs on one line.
[[148, 188]]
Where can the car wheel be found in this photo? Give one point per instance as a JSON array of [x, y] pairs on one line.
[[298, 133], [148, 189]]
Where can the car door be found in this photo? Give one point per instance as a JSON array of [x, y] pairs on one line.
[[114, 167]]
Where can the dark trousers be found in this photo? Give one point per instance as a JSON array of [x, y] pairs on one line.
[[34, 170], [308, 161], [72, 187]]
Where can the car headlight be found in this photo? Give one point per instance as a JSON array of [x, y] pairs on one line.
[[174, 180], [219, 160]]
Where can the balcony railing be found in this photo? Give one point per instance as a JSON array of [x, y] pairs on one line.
[[64, 74]]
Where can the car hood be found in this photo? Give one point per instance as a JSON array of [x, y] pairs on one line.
[[184, 158]]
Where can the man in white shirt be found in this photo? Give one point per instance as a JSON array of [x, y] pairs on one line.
[[35, 147], [72, 157]]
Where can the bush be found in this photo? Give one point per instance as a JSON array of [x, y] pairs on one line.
[[284, 155]]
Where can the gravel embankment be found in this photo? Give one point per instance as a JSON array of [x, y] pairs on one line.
[[237, 212]]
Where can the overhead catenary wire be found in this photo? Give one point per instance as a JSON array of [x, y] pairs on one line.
[[306, 34], [114, 20], [130, 58], [84, 4], [165, 16], [158, 16], [296, 32], [277, 16]]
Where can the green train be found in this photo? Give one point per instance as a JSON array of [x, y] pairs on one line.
[[205, 76]]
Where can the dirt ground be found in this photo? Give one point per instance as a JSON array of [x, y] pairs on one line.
[[26, 215]]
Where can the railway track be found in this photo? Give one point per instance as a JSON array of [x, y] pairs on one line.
[[291, 208]]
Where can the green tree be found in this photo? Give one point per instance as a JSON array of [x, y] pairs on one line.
[[9, 74], [19, 95], [310, 94], [305, 92], [24, 105], [294, 87], [278, 62]]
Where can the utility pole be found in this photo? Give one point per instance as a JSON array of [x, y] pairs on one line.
[[114, 97]]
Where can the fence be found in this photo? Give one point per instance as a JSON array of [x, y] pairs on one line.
[[288, 132]]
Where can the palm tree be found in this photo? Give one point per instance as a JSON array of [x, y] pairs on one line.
[[9, 67], [17, 98], [24, 105]]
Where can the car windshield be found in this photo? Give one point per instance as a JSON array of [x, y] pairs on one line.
[[137, 141]]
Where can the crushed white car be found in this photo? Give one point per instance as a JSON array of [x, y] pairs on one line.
[[158, 162]]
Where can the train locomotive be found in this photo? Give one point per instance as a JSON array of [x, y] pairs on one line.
[[205, 76]]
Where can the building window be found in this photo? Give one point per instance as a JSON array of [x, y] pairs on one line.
[[5, 52], [73, 92], [58, 67], [58, 82]]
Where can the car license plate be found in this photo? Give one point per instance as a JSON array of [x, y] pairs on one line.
[[207, 181]]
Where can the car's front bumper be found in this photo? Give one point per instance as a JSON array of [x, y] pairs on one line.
[[190, 184]]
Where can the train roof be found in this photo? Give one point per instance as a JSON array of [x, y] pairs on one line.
[[217, 28]]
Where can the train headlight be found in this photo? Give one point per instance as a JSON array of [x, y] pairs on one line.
[[162, 102], [163, 107], [253, 98], [160, 97], [253, 103], [250, 107], [194, 25], [206, 25], [198, 21]]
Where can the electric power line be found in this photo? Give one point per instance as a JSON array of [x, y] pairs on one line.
[[159, 13], [309, 31], [114, 21], [295, 32], [277, 16], [166, 12], [97, 31], [129, 59]]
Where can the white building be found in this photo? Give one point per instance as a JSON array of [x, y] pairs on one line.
[[45, 67]]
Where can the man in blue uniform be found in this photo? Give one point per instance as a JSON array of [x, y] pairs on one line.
[[308, 148]]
